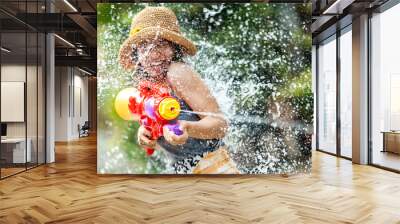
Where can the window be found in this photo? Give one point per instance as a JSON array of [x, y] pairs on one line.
[[22, 76], [385, 88], [346, 92], [327, 95]]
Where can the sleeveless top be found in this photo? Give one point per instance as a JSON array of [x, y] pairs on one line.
[[193, 147]]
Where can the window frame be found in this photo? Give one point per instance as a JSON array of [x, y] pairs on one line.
[[346, 23]]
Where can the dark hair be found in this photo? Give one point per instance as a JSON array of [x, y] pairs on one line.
[[179, 53]]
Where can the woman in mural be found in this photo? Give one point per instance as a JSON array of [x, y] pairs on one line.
[[154, 51]]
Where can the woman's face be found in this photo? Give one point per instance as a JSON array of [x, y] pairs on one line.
[[155, 56]]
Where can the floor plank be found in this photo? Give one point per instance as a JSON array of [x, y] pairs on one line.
[[70, 191]]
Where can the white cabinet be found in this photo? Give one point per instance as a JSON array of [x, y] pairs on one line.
[[18, 149]]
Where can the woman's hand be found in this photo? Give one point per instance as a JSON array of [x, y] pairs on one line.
[[144, 138], [174, 139]]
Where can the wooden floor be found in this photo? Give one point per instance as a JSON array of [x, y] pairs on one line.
[[387, 159], [5, 172], [70, 191]]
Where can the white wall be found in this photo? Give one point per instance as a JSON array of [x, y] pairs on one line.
[[80, 110], [62, 81], [71, 94]]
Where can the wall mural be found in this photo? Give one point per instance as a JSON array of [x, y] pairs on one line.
[[204, 88]]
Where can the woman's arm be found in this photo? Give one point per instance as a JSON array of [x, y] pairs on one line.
[[188, 85]]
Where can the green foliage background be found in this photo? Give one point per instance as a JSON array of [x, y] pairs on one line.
[[253, 56]]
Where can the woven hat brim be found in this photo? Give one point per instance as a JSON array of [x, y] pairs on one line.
[[149, 33]]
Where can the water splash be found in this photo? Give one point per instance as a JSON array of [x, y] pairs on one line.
[[263, 136], [239, 119]]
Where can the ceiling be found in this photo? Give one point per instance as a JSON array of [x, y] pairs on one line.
[[332, 15], [73, 21]]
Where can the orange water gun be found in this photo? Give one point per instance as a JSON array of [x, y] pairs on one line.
[[156, 108]]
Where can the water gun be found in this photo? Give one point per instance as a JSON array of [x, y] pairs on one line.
[[156, 108]]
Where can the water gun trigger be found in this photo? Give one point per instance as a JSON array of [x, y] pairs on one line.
[[175, 128]]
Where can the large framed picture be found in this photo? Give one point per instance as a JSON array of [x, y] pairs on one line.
[[196, 88]]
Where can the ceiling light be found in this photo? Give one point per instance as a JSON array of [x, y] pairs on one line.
[[84, 71], [5, 50], [70, 5], [337, 7], [65, 41]]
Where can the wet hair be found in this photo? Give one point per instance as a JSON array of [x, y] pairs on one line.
[[179, 53]]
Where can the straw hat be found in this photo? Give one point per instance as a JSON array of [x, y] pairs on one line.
[[148, 24]]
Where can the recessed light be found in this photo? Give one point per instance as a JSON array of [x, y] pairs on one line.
[[70, 5], [84, 71], [64, 40], [5, 50], [337, 7]]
